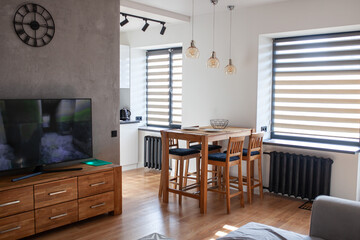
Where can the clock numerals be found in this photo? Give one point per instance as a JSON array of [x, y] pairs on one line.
[[49, 36], [26, 40], [34, 8], [26, 9], [20, 31], [39, 28]]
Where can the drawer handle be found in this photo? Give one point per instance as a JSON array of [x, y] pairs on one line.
[[58, 216], [9, 203], [98, 205], [56, 193], [97, 184], [11, 229]]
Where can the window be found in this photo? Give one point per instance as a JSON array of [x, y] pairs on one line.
[[164, 87], [316, 88]]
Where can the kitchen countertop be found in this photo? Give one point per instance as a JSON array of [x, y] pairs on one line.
[[129, 121]]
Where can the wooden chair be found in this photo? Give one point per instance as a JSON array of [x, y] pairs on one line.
[[212, 148], [252, 153], [181, 155], [232, 157]]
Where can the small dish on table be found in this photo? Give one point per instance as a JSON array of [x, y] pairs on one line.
[[192, 128]]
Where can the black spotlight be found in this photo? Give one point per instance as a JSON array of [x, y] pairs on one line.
[[163, 29], [125, 21], [146, 25]]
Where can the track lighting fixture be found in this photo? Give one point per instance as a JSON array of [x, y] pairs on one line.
[[163, 29], [125, 21], [146, 25]]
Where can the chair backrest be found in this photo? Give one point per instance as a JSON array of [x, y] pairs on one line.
[[235, 147], [173, 143], [255, 143]]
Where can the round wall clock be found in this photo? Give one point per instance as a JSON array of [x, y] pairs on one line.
[[34, 25]]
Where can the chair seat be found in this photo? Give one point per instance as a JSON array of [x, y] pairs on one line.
[[183, 151], [245, 152], [221, 157], [210, 147]]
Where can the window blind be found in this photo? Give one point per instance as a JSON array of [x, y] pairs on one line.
[[316, 88], [164, 87]]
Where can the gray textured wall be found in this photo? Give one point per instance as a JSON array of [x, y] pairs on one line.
[[81, 61]]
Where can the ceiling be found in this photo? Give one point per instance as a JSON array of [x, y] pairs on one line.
[[176, 11]]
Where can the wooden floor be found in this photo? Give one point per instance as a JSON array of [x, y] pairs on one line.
[[144, 213]]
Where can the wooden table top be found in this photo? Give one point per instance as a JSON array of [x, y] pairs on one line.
[[209, 132]]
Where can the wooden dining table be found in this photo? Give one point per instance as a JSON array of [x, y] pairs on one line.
[[203, 135]]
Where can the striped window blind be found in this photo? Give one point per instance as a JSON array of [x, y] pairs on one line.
[[164, 87], [316, 88]]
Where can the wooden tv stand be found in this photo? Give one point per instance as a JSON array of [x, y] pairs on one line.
[[51, 200]]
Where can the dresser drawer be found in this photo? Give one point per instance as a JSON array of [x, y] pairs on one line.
[[96, 183], [95, 205], [17, 226], [55, 192], [16, 201], [56, 216]]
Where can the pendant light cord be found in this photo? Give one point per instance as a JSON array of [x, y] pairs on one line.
[[230, 32], [192, 21], [214, 28]]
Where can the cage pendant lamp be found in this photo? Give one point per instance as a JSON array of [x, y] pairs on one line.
[[213, 61], [230, 68], [192, 51]]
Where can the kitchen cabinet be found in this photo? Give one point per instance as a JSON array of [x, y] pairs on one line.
[[129, 145], [124, 66]]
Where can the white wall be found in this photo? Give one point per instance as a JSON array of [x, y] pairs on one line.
[[209, 93], [81, 61]]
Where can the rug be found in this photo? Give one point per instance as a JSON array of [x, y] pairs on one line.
[[307, 205], [155, 236]]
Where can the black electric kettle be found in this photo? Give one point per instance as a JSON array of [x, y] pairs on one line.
[[125, 114]]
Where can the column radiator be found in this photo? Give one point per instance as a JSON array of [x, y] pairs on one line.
[[299, 175], [152, 152]]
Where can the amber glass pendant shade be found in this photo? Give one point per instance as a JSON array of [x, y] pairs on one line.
[[230, 68], [213, 61], [192, 51]]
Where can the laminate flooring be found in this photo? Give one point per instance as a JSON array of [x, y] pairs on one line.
[[144, 213]]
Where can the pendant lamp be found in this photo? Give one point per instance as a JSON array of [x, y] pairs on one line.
[[230, 68], [213, 62], [192, 51]]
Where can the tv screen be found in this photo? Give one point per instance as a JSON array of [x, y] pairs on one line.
[[44, 131]]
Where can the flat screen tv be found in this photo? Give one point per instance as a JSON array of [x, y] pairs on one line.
[[39, 132]]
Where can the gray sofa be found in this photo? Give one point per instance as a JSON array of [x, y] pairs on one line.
[[331, 219]]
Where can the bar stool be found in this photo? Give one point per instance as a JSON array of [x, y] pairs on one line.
[[181, 155], [212, 148], [232, 157], [252, 153]]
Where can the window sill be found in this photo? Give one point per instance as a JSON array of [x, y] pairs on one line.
[[313, 146], [152, 129]]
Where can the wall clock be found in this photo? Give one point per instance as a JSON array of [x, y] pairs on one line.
[[34, 25]]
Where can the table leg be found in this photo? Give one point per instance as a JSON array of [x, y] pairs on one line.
[[165, 166], [204, 174], [214, 169]]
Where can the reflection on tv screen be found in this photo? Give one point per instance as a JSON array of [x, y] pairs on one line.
[[38, 132]]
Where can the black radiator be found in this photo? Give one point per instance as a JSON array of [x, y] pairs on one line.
[[152, 152], [299, 175]]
